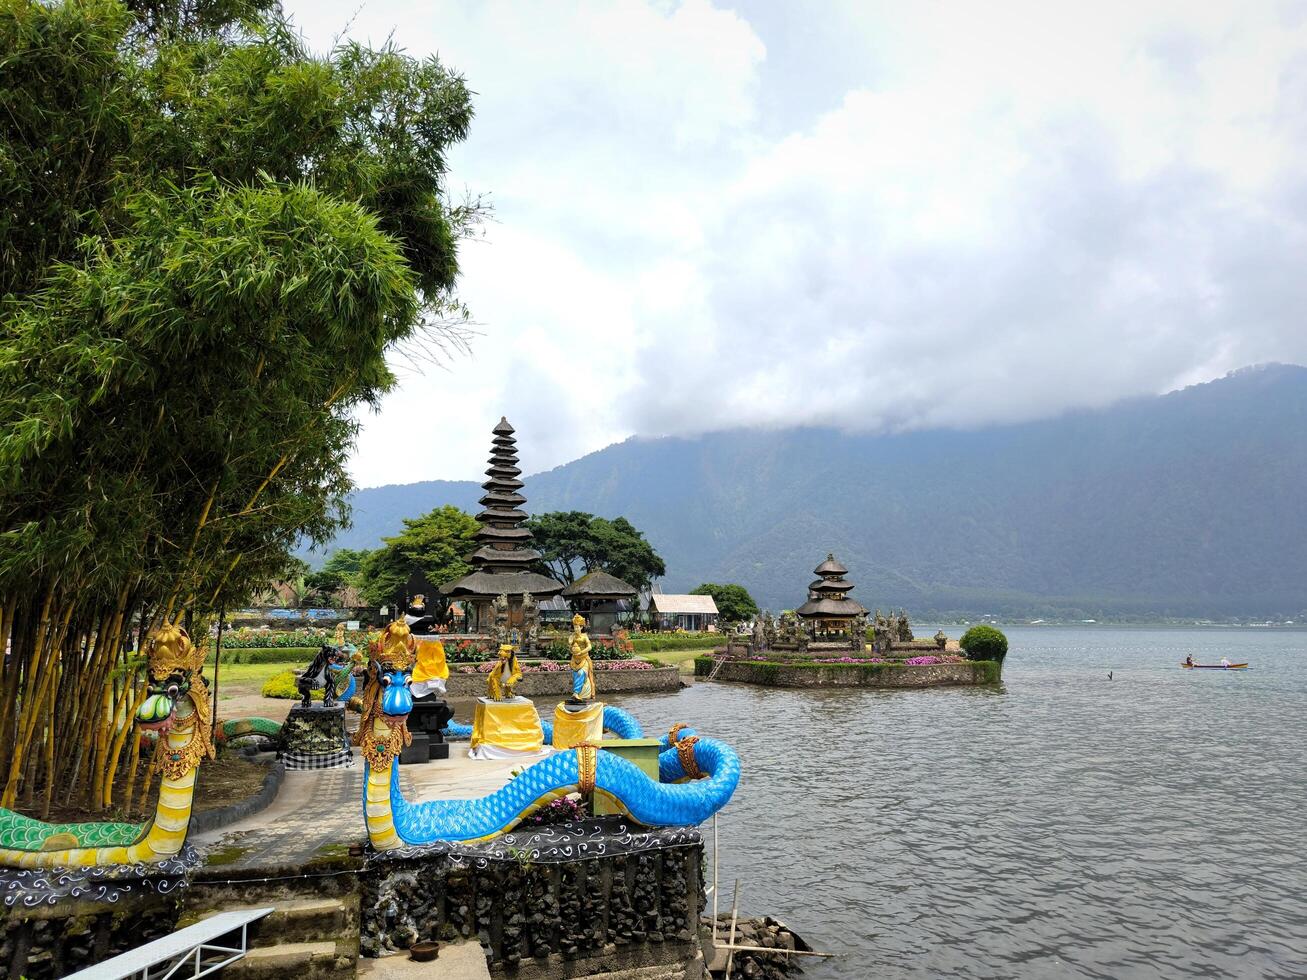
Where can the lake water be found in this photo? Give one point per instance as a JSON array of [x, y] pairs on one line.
[[1065, 825]]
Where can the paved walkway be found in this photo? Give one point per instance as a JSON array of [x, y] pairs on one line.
[[319, 813], [457, 961]]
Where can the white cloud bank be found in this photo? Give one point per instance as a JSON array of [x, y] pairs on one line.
[[870, 215]]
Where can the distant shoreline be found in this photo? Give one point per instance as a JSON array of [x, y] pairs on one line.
[[1011, 624]]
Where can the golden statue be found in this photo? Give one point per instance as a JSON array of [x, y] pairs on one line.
[[583, 670], [505, 674]]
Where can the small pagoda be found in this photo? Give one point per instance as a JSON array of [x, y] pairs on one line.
[[504, 552], [829, 612]]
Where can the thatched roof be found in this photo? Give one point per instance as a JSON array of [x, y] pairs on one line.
[[830, 608], [830, 567], [600, 584], [493, 583]]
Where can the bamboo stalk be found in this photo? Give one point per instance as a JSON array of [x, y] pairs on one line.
[[41, 655]]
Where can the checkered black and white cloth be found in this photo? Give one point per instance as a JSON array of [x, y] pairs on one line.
[[297, 760]]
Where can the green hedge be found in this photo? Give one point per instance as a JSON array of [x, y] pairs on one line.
[[693, 641], [268, 655]]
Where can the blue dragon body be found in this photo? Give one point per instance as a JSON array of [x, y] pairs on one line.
[[665, 803]]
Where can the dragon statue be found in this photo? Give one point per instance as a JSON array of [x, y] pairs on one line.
[[176, 708], [697, 776]]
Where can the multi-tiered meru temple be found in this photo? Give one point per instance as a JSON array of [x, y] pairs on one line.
[[829, 611], [504, 552]]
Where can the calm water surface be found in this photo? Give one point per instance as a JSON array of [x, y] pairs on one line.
[[1154, 825]]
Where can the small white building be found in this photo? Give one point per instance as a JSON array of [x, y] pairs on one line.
[[686, 612]]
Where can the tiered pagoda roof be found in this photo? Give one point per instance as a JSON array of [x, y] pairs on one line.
[[828, 596], [499, 565]]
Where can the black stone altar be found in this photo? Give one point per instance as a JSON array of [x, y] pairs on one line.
[[315, 738], [430, 716]]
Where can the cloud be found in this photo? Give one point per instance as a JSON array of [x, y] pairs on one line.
[[894, 216]]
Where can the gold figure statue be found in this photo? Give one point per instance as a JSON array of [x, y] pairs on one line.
[[505, 673], [583, 670]]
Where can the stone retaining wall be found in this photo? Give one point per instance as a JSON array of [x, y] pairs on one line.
[[52, 941], [538, 920], [560, 682], [777, 674]]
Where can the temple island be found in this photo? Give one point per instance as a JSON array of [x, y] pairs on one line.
[[831, 640]]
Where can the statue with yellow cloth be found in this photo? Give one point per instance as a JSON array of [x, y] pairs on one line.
[[583, 669], [506, 726], [580, 719], [505, 674], [431, 670]]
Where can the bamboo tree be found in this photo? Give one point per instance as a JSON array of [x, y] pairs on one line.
[[211, 239]]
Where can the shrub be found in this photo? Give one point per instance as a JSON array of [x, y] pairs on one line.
[[267, 655], [282, 685], [984, 643]]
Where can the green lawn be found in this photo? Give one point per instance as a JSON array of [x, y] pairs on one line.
[[682, 660], [247, 677]]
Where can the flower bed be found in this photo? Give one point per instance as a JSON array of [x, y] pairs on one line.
[[553, 667], [246, 638]]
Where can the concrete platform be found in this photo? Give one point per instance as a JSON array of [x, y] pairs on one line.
[[320, 812], [457, 961]]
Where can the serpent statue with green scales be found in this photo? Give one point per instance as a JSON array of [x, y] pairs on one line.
[[177, 709]]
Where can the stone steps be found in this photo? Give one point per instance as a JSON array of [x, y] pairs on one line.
[[294, 921], [308, 938], [307, 961]]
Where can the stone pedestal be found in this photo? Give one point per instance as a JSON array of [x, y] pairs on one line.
[[508, 729], [429, 717], [578, 721], [419, 751], [642, 751], [315, 738]]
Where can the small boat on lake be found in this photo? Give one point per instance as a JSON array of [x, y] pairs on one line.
[[1213, 666]]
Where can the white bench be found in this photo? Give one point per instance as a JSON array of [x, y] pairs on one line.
[[195, 951]]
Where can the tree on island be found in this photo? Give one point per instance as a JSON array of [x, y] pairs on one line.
[[437, 544], [211, 238], [984, 643], [574, 543], [734, 604]]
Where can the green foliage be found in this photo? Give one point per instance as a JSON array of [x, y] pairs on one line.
[[282, 685], [267, 655], [733, 601], [437, 543], [573, 543], [658, 642], [984, 643], [211, 239], [251, 639], [342, 568]]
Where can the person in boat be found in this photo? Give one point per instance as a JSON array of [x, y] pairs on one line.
[[1225, 661], [1189, 660]]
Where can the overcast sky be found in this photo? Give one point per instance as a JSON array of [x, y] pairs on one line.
[[870, 215]]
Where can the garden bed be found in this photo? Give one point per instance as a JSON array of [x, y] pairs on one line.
[[609, 679]]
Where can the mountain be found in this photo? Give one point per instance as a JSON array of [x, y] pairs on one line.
[[1192, 503]]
